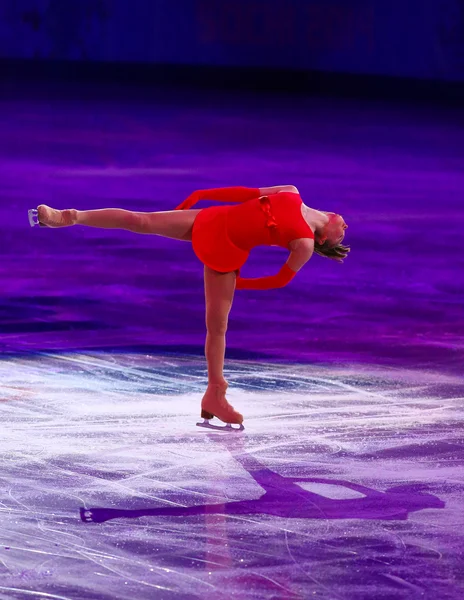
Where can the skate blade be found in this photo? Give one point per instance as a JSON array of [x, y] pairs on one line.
[[207, 425], [33, 217]]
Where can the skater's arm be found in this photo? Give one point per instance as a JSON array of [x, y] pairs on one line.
[[302, 251], [229, 194], [268, 191], [281, 279], [233, 194]]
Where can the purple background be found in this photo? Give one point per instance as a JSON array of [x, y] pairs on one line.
[[418, 38]]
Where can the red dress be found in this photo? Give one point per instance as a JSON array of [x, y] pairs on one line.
[[223, 236]]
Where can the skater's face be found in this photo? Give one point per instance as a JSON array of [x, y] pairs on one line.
[[334, 231]]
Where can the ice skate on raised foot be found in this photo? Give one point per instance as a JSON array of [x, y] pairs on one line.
[[44, 216], [214, 404], [33, 217]]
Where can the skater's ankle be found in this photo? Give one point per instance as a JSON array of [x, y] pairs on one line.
[[220, 382], [71, 215]]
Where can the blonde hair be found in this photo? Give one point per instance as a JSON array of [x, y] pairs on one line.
[[338, 252]]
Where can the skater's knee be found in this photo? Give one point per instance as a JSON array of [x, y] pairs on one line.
[[216, 325], [140, 223]]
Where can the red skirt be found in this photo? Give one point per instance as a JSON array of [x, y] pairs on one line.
[[211, 242]]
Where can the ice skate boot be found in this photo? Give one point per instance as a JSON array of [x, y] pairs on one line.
[[44, 216], [214, 404]]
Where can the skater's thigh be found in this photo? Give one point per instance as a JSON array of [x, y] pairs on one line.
[[177, 224], [219, 295]]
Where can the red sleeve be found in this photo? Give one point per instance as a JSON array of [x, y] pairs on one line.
[[283, 277], [229, 194]]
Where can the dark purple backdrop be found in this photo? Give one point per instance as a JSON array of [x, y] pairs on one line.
[[418, 38]]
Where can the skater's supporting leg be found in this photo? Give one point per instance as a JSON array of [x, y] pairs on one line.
[[219, 294], [172, 224]]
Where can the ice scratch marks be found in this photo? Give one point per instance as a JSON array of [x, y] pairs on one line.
[[331, 592], [172, 574], [410, 586], [10, 494], [292, 593], [35, 593], [73, 536], [106, 367]]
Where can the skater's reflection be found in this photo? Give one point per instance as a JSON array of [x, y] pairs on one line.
[[283, 497]]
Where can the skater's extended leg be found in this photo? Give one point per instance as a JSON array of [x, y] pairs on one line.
[[219, 294], [172, 224]]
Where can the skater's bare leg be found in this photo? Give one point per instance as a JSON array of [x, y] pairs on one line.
[[219, 294], [175, 224]]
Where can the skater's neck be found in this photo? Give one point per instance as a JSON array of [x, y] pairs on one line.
[[316, 219]]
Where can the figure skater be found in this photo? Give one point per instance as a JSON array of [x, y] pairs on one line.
[[222, 238]]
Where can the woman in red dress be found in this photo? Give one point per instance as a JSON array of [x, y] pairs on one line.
[[222, 238]]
